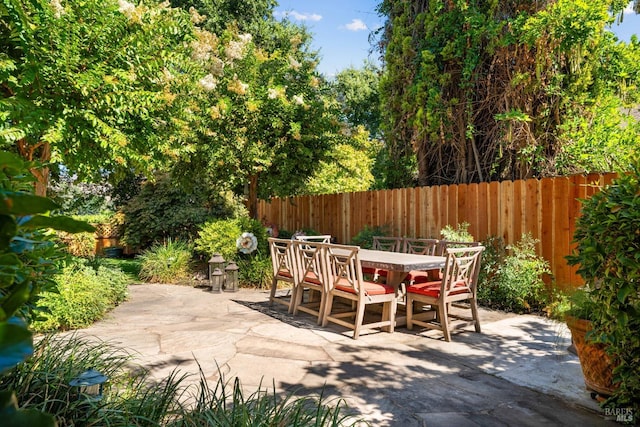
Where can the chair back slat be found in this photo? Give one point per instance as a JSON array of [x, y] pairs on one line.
[[420, 246], [461, 270], [312, 261], [389, 244], [344, 267], [283, 258], [443, 245], [323, 238]]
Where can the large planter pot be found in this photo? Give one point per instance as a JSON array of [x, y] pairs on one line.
[[597, 368], [113, 252]]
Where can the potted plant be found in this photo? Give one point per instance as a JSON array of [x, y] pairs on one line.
[[597, 367], [607, 254]]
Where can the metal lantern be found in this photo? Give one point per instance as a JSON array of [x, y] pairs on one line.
[[89, 384], [216, 261], [231, 280], [216, 280]]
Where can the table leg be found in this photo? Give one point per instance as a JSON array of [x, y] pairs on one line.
[[395, 278]]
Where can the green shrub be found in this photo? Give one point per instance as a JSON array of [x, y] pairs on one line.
[[493, 256], [83, 296], [132, 398], [255, 271], [458, 234], [608, 258], [285, 234], [517, 283], [169, 262], [221, 235], [164, 210], [364, 238]]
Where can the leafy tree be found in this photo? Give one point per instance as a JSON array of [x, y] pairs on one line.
[[262, 117], [87, 83], [357, 91], [164, 210], [247, 15], [349, 166], [477, 91]]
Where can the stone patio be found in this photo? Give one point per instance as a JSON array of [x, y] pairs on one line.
[[517, 372]]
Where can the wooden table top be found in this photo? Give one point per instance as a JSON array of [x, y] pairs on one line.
[[398, 261]]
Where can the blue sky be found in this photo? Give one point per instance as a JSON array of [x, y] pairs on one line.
[[341, 29]]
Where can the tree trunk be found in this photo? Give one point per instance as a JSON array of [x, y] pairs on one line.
[[40, 152]]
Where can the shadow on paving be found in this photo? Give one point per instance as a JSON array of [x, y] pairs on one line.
[[418, 380]]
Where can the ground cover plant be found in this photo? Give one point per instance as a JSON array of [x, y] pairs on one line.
[[132, 398], [168, 262], [83, 294], [512, 277]]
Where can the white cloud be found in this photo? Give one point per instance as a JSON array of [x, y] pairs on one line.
[[629, 9], [299, 16], [356, 25]]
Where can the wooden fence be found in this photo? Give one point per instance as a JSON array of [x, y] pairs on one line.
[[546, 208]]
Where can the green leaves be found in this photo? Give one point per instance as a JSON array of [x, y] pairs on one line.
[[88, 76], [606, 254], [61, 223], [16, 344], [25, 204]]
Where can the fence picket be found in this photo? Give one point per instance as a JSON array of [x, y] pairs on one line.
[[547, 208]]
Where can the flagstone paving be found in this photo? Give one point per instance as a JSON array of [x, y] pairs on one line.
[[517, 372]]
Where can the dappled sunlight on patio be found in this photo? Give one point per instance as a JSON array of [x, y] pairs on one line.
[[518, 365]]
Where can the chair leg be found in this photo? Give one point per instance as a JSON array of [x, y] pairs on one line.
[[274, 286], [327, 309], [474, 314], [444, 321], [296, 300], [357, 323], [323, 303], [409, 312]]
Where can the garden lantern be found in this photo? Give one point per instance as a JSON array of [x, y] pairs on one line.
[[89, 385], [216, 261], [216, 280], [231, 280]]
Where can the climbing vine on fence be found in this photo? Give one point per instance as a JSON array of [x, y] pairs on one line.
[[478, 91]]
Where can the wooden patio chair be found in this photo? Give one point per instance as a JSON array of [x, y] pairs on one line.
[[443, 245], [389, 244], [459, 283], [322, 238], [284, 266], [346, 281], [311, 290], [421, 247], [383, 243]]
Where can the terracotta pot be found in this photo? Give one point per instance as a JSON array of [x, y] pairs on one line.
[[596, 364]]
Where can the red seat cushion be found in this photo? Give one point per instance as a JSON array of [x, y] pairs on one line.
[[432, 289], [312, 277], [371, 288], [419, 276], [424, 276], [285, 273]]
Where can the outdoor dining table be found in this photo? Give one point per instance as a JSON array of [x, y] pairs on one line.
[[398, 265]]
